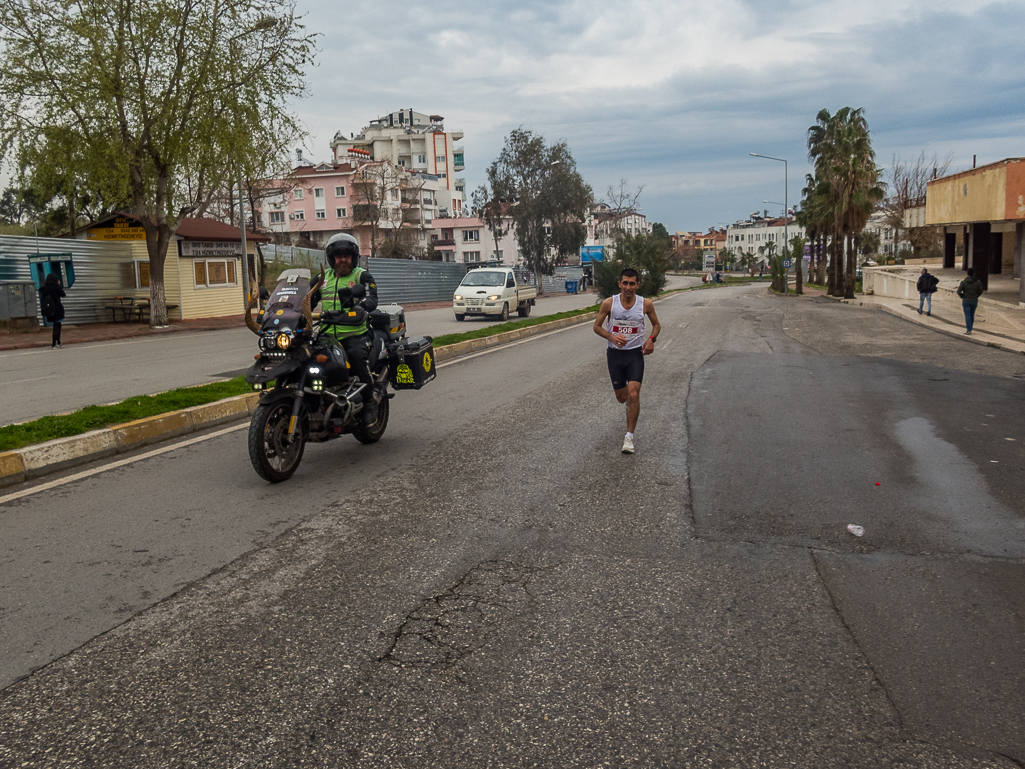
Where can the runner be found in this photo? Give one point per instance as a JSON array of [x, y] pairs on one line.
[[621, 321]]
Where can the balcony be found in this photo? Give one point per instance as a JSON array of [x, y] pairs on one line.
[[457, 159], [442, 242]]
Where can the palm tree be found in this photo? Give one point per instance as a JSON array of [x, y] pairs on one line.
[[845, 163]]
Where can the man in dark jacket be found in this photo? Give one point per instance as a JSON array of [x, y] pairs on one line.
[[970, 290], [926, 288]]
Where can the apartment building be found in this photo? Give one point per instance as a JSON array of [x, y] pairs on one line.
[[416, 142], [753, 233], [604, 224], [369, 200], [468, 240]]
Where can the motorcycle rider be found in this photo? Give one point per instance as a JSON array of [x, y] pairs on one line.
[[342, 252]]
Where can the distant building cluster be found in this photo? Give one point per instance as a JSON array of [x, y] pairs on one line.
[[394, 183]]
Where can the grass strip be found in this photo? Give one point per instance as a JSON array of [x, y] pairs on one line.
[[480, 333], [97, 417]]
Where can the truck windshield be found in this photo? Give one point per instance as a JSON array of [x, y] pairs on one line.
[[481, 278]]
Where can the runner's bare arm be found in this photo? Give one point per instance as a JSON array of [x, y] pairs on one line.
[[599, 324], [649, 344]]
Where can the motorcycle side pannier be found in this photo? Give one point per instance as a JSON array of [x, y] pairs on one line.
[[412, 364], [391, 319]]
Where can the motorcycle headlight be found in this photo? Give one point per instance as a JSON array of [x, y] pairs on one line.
[[283, 341]]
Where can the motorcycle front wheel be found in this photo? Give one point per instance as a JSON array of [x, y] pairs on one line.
[[275, 455]]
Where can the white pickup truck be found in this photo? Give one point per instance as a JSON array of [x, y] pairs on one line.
[[492, 291]]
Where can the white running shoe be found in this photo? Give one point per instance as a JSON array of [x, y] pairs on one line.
[[628, 445]]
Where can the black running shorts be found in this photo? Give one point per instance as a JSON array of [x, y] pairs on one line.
[[625, 366]]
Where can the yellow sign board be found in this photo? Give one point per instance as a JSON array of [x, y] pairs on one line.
[[122, 228]]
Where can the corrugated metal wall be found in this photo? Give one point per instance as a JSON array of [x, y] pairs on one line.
[[99, 274], [556, 284], [409, 281]]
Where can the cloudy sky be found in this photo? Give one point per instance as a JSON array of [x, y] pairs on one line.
[[674, 94]]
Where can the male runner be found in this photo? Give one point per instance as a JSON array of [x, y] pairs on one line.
[[621, 321]]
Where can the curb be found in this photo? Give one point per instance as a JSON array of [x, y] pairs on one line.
[[44, 458], [41, 459], [459, 349]]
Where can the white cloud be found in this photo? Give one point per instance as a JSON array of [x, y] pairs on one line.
[[674, 94]]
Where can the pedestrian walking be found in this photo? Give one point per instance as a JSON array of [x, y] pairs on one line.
[[970, 290], [926, 288], [52, 308], [621, 321]]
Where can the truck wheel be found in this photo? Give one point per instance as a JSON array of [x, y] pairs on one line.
[[523, 310], [505, 312], [460, 317]]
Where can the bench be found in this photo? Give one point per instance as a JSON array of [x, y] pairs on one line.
[[122, 308], [128, 308]]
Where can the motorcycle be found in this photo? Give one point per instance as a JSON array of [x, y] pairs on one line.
[[308, 393]]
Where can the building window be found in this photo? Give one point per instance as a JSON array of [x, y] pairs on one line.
[[213, 273], [427, 199], [300, 215], [318, 192], [339, 192], [471, 236], [471, 256], [421, 159], [135, 274], [322, 214], [459, 188], [439, 159], [277, 217], [394, 194], [297, 194], [340, 213]]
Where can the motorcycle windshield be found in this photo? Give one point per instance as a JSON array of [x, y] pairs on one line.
[[285, 305]]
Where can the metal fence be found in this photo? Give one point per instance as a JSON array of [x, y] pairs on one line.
[[98, 271], [305, 257], [402, 280]]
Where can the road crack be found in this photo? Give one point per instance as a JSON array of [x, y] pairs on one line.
[[448, 627]]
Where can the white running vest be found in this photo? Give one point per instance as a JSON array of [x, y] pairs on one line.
[[628, 323]]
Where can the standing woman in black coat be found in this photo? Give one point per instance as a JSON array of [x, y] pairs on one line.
[[52, 290]]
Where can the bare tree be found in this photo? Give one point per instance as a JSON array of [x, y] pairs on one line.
[[377, 192], [907, 181]]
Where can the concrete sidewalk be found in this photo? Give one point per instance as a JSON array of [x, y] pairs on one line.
[[944, 321]]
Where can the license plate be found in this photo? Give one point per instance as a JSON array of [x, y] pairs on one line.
[[473, 309]]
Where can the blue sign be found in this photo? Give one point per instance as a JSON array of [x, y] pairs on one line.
[[592, 254], [787, 263]]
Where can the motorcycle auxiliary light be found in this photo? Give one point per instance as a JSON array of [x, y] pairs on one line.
[[317, 385], [283, 341]]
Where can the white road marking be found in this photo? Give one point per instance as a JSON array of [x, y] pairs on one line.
[[506, 346], [119, 463], [33, 379]]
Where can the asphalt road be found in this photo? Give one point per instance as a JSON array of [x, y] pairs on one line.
[[494, 584], [38, 382]]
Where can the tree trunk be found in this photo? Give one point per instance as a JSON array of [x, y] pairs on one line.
[[831, 281], [852, 261], [798, 274], [157, 238]]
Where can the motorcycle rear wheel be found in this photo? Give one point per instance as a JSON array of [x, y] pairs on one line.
[[275, 457], [373, 433]]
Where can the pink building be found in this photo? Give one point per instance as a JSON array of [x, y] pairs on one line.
[[467, 239]]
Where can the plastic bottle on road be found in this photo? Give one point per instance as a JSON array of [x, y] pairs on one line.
[[857, 531]]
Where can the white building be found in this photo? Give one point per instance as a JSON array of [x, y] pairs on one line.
[[888, 243], [416, 142], [603, 224], [750, 234]]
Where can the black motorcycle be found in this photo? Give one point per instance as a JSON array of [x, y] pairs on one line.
[[308, 392]]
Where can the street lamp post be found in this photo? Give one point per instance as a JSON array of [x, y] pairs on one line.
[[785, 206]]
